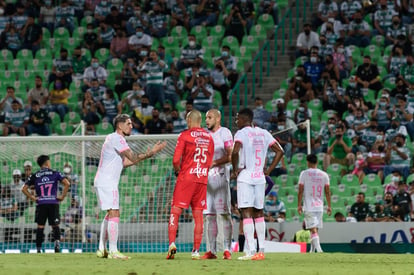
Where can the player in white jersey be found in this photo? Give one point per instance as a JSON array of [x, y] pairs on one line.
[[313, 183], [218, 186], [248, 159], [115, 155]]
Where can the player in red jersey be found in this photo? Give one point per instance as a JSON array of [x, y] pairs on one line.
[[192, 159]]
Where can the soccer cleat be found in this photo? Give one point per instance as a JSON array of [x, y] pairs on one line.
[[195, 255], [226, 255], [245, 258], [258, 256], [172, 249], [117, 255], [209, 256], [102, 254], [57, 246]]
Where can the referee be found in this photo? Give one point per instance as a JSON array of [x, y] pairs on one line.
[[45, 182]]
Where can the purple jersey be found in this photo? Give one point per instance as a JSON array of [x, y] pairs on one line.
[[46, 183]]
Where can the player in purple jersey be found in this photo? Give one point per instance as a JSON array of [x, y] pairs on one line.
[[45, 182]]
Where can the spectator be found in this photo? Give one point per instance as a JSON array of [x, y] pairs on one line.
[[16, 192], [97, 91], [179, 15], [206, 13], [8, 205], [405, 112], [47, 16], [325, 133], [382, 113], [394, 31], [38, 120], [62, 68], [38, 93], [332, 29], [235, 23], [202, 94], [90, 112], [407, 72], [325, 8], [395, 61], [273, 207], [339, 149], [375, 160], [368, 75], [306, 40], [348, 9], [261, 117], [90, 39], [79, 63], [392, 186], [359, 31], [94, 71], [405, 43], [27, 167], [360, 209], [108, 107], [269, 7], [314, 68], [383, 18], [19, 19], [129, 75], [353, 92], [13, 39], [32, 35], [138, 19], [144, 112], [396, 128], [402, 201], [115, 19], [165, 114], [300, 86], [333, 96], [331, 68], [325, 48], [155, 125], [342, 58], [158, 23], [73, 221], [132, 99], [389, 207], [191, 53], [59, 99], [154, 69], [398, 157], [16, 120], [339, 217], [102, 9], [173, 87], [105, 35], [6, 102], [138, 41], [178, 123], [371, 134], [119, 46], [299, 139], [65, 16], [72, 177], [379, 214], [302, 113], [189, 106]]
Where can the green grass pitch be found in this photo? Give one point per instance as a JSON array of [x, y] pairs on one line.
[[155, 263]]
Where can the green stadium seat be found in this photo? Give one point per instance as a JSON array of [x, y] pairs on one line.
[[335, 169], [115, 64], [61, 33], [63, 129], [251, 42], [6, 55], [372, 180], [378, 40], [46, 33], [24, 54], [104, 128], [373, 51], [86, 20], [78, 33], [258, 31], [293, 104], [266, 20], [388, 50], [350, 180], [327, 114], [102, 54], [72, 118], [410, 178], [179, 32], [44, 54], [171, 42], [200, 32], [355, 51], [231, 42], [299, 159], [87, 53], [284, 180], [217, 31]]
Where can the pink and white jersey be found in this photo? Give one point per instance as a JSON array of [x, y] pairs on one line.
[[252, 156], [111, 162], [314, 182], [223, 139]]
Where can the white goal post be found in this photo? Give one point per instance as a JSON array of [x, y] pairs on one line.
[[145, 194]]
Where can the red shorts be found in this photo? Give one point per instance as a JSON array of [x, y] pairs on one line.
[[190, 194]]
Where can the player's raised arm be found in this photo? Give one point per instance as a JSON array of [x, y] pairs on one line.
[[131, 158]]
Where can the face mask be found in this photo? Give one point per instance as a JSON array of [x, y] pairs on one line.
[[161, 55], [144, 105], [243, 1], [143, 53], [394, 126], [95, 65], [366, 65], [359, 157], [395, 179], [138, 12], [307, 32], [382, 104], [341, 50], [352, 84], [301, 109], [323, 42], [381, 148], [48, 3], [89, 31], [358, 20], [58, 86], [139, 34], [66, 170], [224, 54], [103, 3], [399, 144], [358, 104], [191, 43], [313, 59], [396, 23], [270, 202], [280, 127]]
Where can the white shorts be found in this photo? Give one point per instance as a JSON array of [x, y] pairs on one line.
[[313, 219], [218, 195], [108, 197], [250, 195]]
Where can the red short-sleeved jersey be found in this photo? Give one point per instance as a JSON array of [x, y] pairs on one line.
[[194, 155]]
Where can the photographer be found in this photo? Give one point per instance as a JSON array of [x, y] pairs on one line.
[[333, 95], [339, 149], [235, 23], [358, 31], [129, 75], [300, 86]]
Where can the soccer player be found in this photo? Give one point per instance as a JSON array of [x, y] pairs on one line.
[[248, 159], [313, 183], [218, 186], [115, 155], [192, 159], [45, 182]]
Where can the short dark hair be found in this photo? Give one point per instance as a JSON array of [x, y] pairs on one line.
[[120, 119], [246, 112], [312, 158], [41, 160]]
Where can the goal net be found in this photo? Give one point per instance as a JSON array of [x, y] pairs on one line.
[[145, 195]]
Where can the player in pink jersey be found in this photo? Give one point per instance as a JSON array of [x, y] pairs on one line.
[[192, 159], [218, 187], [115, 155], [313, 183], [248, 159]]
